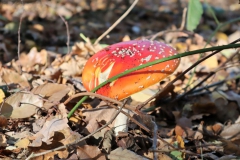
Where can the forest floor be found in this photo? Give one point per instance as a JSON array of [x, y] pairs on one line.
[[44, 46]]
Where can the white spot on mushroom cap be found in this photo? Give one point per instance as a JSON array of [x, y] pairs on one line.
[[146, 58]]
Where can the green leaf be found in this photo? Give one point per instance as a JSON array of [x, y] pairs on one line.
[[194, 14], [176, 155]]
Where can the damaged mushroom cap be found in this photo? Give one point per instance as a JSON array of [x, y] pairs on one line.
[[122, 56]]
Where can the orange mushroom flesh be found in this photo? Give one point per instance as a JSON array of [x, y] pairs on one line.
[[122, 56]]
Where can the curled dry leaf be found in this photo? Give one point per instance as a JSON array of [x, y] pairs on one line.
[[9, 76], [49, 128], [85, 49], [217, 128], [53, 92], [21, 105], [73, 66], [93, 116], [107, 142], [231, 132], [28, 61], [127, 141]]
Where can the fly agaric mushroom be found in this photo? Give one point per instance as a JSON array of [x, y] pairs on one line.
[[122, 56]]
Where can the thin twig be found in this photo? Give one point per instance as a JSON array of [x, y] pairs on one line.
[[208, 76], [98, 96], [117, 22], [169, 144], [183, 19], [161, 33], [112, 101], [219, 26], [19, 38], [140, 106], [68, 34], [215, 84], [133, 120], [154, 144], [79, 140]]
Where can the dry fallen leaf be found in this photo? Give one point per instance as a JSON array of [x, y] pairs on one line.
[[217, 128], [73, 66], [10, 76], [53, 92], [90, 152], [22, 143], [50, 127], [21, 105], [231, 132], [94, 116], [230, 147], [28, 61], [211, 62], [124, 154], [2, 95]]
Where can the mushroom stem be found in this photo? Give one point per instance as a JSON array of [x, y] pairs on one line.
[[121, 122]]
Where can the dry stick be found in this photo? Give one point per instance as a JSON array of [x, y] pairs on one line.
[[68, 34], [183, 19], [117, 22], [154, 144], [132, 119], [110, 100], [208, 76], [19, 39], [96, 95], [161, 33], [143, 127], [219, 26], [140, 106], [198, 91], [79, 140]]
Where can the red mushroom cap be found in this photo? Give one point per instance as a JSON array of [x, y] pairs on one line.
[[122, 56]]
